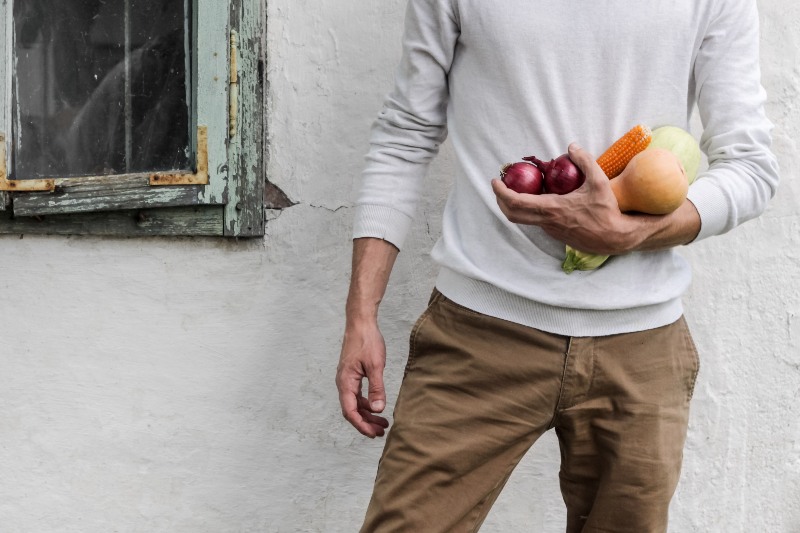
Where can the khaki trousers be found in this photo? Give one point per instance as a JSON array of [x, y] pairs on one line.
[[479, 391]]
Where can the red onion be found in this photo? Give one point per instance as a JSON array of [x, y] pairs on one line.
[[522, 177], [561, 175]]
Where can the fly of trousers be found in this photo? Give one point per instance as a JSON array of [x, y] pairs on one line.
[[479, 391]]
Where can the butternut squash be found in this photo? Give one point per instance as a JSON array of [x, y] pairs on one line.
[[654, 182]]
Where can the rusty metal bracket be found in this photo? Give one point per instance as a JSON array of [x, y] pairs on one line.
[[20, 185], [199, 177]]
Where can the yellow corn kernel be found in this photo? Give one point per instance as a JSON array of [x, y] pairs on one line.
[[616, 158]]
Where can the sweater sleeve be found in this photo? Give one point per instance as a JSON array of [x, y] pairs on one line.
[[742, 175], [410, 128]]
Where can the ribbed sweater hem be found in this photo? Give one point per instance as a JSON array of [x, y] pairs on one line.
[[490, 300]]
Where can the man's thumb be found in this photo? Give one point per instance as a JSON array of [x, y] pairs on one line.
[[376, 392], [584, 161]]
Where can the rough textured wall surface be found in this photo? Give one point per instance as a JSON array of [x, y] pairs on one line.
[[180, 385]]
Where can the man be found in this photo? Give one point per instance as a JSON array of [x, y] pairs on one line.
[[510, 346]]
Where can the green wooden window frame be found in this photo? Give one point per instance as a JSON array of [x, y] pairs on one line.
[[225, 193]]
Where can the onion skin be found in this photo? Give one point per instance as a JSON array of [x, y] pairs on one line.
[[522, 177], [561, 175]]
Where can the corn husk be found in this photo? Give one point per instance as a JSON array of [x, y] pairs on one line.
[[577, 260]]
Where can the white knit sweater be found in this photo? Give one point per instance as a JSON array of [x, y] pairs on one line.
[[527, 77]]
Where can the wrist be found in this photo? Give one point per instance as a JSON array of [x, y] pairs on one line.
[[637, 231], [360, 315], [659, 232]]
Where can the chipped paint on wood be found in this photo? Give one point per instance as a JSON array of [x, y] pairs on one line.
[[95, 199], [5, 86], [199, 176], [213, 44], [234, 85], [104, 194], [244, 214], [192, 221]]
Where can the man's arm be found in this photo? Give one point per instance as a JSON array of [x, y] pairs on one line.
[[589, 218], [363, 350]]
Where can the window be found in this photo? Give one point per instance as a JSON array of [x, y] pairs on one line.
[[132, 117]]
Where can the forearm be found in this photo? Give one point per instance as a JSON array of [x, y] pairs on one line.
[[373, 260], [363, 354], [660, 232]]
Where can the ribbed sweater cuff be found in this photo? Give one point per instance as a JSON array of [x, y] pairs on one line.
[[712, 207], [381, 222]]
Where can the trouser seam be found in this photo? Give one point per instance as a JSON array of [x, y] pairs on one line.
[[561, 387], [690, 345], [412, 348]]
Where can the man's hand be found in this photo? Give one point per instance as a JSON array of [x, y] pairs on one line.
[[587, 219], [363, 350], [363, 356]]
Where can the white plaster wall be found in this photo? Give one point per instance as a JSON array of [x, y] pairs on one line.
[[186, 385]]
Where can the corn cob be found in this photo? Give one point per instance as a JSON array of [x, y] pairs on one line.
[[616, 158]]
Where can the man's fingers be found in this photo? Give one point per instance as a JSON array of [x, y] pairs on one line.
[[348, 399], [500, 189], [515, 200], [586, 162], [579, 156], [360, 418], [365, 411], [521, 208], [357, 409], [378, 424], [376, 392]]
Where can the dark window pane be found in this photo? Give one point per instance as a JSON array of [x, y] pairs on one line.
[[100, 87]]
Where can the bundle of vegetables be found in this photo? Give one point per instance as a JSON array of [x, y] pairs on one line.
[[650, 173]]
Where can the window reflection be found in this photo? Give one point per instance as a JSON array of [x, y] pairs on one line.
[[100, 87]]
